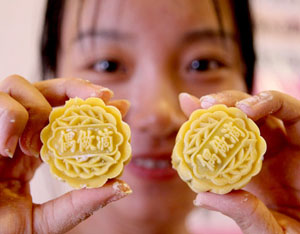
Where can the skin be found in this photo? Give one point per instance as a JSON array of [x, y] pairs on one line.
[[25, 110], [155, 73], [159, 68]]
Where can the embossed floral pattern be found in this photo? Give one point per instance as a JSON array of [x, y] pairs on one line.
[[86, 143], [218, 149]]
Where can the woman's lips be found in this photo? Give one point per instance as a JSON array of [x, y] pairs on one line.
[[152, 168]]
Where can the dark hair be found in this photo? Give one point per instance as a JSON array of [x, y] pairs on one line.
[[52, 35]]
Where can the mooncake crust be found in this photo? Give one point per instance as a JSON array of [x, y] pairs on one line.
[[218, 150], [86, 143]]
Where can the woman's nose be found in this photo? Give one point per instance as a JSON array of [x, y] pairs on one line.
[[155, 109]]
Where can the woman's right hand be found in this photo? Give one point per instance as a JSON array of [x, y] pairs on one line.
[[24, 112]]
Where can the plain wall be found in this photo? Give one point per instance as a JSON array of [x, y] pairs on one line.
[[20, 30]]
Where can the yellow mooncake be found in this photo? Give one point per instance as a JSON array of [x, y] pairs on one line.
[[218, 150], [86, 143]]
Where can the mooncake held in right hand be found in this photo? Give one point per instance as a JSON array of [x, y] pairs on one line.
[[218, 150]]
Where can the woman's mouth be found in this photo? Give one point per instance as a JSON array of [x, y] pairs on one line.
[[152, 168]]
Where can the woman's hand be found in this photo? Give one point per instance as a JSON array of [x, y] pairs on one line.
[[24, 111], [271, 202]]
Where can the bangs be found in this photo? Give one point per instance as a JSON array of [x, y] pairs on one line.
[[51, 34]]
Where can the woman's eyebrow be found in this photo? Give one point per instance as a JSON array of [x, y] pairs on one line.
[[207, 34], [108, 34]]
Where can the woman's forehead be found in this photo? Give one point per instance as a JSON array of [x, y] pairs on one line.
[[132, 16]]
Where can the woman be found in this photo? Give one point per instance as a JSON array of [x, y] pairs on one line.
[[149, 54]]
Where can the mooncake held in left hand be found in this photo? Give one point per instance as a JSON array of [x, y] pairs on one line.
[[218, 150], [86, 143]]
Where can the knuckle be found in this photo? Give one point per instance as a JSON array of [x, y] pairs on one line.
[[251, 210], [10, 80], [40, 113], [16, 114], [253, 205], [45, 110]]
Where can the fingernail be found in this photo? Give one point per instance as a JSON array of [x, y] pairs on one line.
[[8, 153], [11, 146], [121, 188], [125, 103], [36, 144], [36, 154], [196, 202], [106, 90], [184, 95], [124, 107], [100, 91], [104, 93], [207, 101], [188, 96]]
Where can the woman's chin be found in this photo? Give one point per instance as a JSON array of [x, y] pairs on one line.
[[159, 199]]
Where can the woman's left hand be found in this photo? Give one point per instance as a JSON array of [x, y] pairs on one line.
[[270, 203]]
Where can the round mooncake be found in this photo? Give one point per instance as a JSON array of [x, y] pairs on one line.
[[218, 150], [86, 143]]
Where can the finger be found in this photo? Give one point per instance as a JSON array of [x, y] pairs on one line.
[[278, 104], [282, 106], [122, 105], [13, 119], [57, 91], [37, 107], [249, 213], [190, 103], [65, 212], [227, 97]]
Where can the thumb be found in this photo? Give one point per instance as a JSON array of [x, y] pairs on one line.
[[64, 213], [245, 209], [188, 103]]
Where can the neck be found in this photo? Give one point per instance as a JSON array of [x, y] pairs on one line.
[[133, 228]]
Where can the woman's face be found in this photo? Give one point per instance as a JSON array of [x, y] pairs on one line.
[[148, 52]]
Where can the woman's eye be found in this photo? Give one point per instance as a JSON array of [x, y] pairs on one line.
[[107, 66], [202, 65]]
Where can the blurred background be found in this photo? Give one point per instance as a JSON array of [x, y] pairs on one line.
[[277, 36], [277, 24], [278, 45], [20, 26]]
